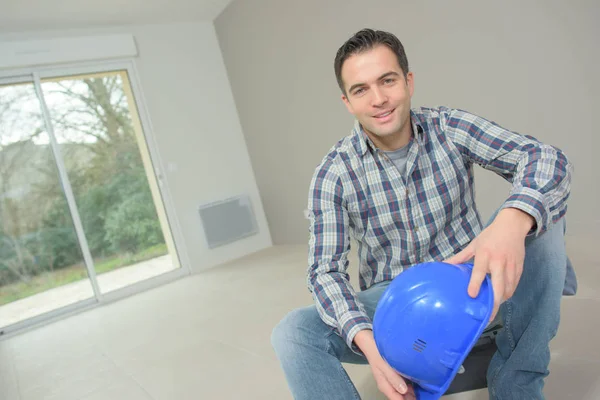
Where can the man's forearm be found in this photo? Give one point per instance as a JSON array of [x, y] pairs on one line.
[[520, 219], [365, 341]]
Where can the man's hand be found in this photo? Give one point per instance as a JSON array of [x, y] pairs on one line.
[[389, 382], [500, 251]]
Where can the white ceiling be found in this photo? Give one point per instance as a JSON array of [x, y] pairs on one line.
[[35, 15]]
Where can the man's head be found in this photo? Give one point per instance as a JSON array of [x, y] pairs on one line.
[[372, 71]]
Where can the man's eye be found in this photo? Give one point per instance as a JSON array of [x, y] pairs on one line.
[[359, 91], [388, 81]]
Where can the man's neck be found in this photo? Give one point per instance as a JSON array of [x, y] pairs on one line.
[[392, 142]]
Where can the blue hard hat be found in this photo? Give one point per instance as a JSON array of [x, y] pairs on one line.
[[426, 324]]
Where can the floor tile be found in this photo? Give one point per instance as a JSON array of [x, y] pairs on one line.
[[81, 381], [123, 391], [9, 384]]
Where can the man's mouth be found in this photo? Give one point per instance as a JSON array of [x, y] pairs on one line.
[[383, 114]]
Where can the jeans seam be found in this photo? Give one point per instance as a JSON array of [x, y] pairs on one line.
[[493, 383], [511, 341]]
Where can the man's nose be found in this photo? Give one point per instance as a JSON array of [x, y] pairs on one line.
[[379, 97]]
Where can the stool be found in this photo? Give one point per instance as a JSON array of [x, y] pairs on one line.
[[476, 363]]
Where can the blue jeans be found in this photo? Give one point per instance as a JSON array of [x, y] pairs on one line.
[[311, 353]]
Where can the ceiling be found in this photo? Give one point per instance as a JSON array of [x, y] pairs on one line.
[[36, 15]]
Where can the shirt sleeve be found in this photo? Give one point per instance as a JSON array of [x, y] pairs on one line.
[[540, 174], [329, 245]]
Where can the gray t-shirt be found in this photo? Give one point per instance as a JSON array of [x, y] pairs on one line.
[[399, 157]]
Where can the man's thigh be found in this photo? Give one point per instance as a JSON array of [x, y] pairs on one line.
[[369, 299]]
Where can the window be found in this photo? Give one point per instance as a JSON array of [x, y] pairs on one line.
[[81, 211]]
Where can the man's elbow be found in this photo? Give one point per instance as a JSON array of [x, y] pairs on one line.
[[563, 168]]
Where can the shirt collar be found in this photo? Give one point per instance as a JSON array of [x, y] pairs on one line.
[[362, 142]]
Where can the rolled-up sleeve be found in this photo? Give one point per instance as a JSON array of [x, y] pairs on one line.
[[540, 173]]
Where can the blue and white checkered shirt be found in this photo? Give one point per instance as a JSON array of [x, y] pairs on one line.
[[427, 214]]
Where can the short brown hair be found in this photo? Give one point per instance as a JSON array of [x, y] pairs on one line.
[[364, 40]]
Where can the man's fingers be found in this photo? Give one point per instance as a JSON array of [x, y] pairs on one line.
[[510, 280], [410, 393], [464, 255], [497, 271], [478, 275], [386, 388], [397, 382], [394, 386]]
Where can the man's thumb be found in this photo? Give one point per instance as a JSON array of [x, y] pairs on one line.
[[465, 255]]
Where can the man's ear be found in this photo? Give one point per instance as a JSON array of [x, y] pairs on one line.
[[410, 82], [347, 103]]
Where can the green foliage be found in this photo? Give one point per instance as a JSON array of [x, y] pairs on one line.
[[133, 225], [94, 206], [55, 243], [15, 261], [108, 180]]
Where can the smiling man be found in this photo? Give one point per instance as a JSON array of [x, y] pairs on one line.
[[402, 185]]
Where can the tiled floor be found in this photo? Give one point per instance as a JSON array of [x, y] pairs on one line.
[[207, 337]]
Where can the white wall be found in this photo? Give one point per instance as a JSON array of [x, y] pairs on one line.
[[196, 127], [531, 66]]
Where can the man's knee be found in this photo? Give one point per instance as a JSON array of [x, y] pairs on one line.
[[294, 329], [553, 239], [546, 254], [518, 384], [283, 331]]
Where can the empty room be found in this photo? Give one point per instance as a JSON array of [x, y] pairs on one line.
[[267, 199]]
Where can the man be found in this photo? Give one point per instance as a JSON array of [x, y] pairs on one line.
[[402, 186]]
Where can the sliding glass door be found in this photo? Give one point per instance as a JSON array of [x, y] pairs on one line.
[[39, 250], [81, 213]]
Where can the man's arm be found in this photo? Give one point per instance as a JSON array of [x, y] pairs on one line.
[[329, 244], [540, 174], [329, 283]]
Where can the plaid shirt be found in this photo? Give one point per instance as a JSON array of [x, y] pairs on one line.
[[427, 214]]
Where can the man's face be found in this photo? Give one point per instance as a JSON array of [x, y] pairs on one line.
[[377, 93]]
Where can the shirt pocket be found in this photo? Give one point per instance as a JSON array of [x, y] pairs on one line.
[[358, 214], [371, 223], [449, 186]]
